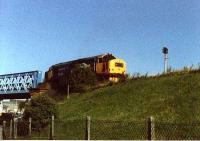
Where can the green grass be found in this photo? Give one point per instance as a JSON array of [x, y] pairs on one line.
[[121, 111], [168, 98]]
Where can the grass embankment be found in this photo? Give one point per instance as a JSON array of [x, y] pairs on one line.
[[168, 98], [171, 98]]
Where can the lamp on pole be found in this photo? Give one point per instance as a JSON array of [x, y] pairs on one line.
[[165, 52]]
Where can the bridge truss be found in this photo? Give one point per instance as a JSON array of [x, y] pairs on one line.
[[18, 84]]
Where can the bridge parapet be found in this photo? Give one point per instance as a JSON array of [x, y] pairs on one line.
[[19, 83]]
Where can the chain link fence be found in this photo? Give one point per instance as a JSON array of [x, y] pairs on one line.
[[117, 130], [177, 131], [70, 130], [107, 130]]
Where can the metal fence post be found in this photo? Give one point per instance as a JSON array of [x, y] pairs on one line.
[[88, 128], [151, 128], [51, 135], [4, 130], [29, 126]]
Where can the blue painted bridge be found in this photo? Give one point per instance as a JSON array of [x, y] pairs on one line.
[[18, 85]]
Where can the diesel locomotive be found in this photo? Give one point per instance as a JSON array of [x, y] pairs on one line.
[[106, 66]]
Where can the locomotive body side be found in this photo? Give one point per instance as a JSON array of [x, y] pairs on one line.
[[105, 66]]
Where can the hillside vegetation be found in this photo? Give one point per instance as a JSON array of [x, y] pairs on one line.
[[169, 98]]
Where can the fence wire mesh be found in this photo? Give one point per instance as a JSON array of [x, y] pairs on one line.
[[177, 131], [108, 130], [36, 133], [41, 134], [70, 130], [6, 133], [116, 130]]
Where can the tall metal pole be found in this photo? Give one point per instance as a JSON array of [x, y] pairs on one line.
[[165, 52], [165, 62]]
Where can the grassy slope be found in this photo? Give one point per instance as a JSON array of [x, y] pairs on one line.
[[166, 98]]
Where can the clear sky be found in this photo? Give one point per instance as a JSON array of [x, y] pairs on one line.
[[35, 34]]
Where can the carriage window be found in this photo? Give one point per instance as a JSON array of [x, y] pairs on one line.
[[119, 65]]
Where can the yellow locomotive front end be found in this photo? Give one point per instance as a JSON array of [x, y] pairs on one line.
[[112, 69], [116, 69]]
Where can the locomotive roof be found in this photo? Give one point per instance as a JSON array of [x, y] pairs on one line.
[[83, 59]]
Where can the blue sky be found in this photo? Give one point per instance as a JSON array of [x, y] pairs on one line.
[[35, 34]]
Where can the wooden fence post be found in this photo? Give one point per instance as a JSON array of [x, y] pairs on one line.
[[88, 128], [68, 91], [4, 130], [15, 128], [29, 125], [51, 135], [151, 128], [11, 129]]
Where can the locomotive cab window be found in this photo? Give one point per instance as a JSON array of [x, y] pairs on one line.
[[121, 65]]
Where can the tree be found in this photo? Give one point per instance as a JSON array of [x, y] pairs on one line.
[[40, 108], [81, 78], [22, 105]]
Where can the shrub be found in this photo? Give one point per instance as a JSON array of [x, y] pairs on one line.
[[125, 78], [40, 108], [82, 78], [22, 105], [22, 128], [6, 117]]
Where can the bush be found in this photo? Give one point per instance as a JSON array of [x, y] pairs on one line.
[[125, 78], [82, 78], [22, 105], [6, 117], [40, 108], [22, 128]]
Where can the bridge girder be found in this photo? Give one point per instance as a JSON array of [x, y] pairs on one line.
[[17, 85]]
